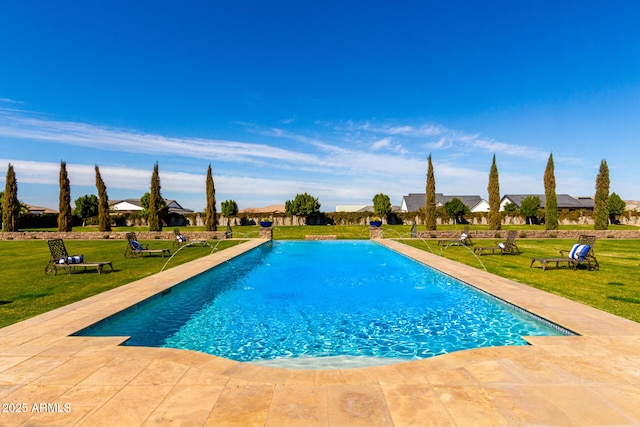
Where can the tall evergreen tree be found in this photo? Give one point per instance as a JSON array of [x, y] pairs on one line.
[[10, 204], [493, 188], [430, 200], [601, 208], [65, 220], [104, 220], [210, 214], [551, 199], [155, 205]]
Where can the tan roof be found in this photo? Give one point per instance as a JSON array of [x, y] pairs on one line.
[[632, 205], [41, 209], [266, 209]]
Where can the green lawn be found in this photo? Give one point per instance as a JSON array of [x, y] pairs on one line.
[[26, 291], [614, 288]]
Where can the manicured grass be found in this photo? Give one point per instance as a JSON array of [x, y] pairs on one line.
[[26, 291], [615, 288]]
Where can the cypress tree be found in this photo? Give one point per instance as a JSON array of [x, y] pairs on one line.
[[65, 220], [601, 208], [10, 204], [104, 220], [210, 214], [430, 200], [154, 220], [551, 199], [493, 188]]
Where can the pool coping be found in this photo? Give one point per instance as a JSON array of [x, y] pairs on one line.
[[591, 379]]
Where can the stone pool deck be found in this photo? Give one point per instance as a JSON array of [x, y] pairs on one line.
[[48, 378]]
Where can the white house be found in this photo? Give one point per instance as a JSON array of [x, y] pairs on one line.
[[414, 201], [133, 205]]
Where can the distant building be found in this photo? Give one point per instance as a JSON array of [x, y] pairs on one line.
[[415, 201], [354, 208], [133, 205], [122, 206], [349, 208], [565, 201], [176, 211], [632, 205], [266, 209], [39, 210]]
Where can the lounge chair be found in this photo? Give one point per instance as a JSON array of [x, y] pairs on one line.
[[135, 248], [181, 240], [581, 252], [507, 247], [463, 240], [60, 259]]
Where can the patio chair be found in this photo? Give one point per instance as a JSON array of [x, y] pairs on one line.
[[59, 258], [508, 247], [135, 248], [181, 240], [463, 240], [581, 252]]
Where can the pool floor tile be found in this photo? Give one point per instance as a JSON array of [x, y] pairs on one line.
[[587, 380]]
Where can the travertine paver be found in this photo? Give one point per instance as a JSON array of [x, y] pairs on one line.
[[48, 378]]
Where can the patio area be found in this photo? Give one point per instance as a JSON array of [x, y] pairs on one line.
[[48, 378]]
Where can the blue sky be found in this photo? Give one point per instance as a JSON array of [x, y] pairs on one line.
[[340, 99]]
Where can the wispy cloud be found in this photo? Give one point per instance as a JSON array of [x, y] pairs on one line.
[[338, 162], [402, 130], [104, 138], [10, 101]]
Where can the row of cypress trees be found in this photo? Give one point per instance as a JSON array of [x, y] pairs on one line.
[[11, 204], [601, 199]]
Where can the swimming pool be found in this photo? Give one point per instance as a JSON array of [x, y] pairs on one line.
[[319, 299]]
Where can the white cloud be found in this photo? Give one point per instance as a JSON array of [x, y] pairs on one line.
[[10, 101], [381, 143], [347, 164], [86, 135]]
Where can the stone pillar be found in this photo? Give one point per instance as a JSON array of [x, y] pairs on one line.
[[375, 233], [266, 233]]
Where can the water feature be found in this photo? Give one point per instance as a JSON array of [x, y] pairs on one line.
[[193, 243]]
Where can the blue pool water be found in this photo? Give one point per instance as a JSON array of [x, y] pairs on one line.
[[323, 298]]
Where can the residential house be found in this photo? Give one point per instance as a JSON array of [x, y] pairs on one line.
[[565, 201], [267, 209], [39, 210], [415, 201], [176, 211]]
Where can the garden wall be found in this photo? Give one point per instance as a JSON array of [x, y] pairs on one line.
[[213, 235], [98, 235]]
